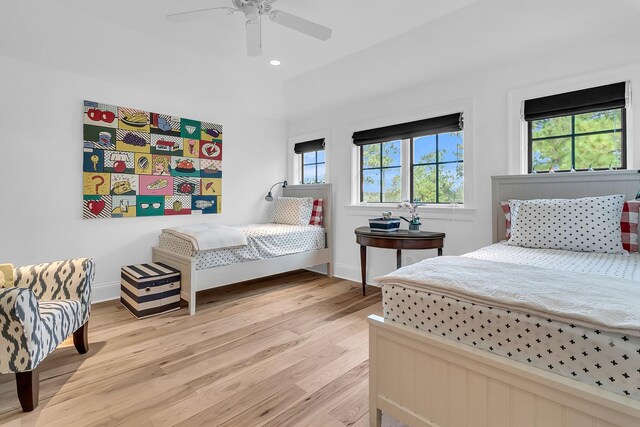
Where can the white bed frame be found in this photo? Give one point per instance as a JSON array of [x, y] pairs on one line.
[[193, 280], [425, 380]]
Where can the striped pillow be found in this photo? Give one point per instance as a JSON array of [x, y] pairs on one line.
[[628, 223]]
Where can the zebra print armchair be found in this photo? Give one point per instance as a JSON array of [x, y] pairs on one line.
[[47, 303]]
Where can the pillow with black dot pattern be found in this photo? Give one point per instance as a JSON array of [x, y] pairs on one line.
[[589, 224], [292, 210]]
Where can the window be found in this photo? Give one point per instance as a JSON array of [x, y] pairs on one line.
[[581, 130], [420, 161], [437, 168], [381, 177], [312, 167], [312, 161]]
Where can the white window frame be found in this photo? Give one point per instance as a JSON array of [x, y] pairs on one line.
[[466, 107]]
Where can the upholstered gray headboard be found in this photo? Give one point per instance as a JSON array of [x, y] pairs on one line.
[[566, 185]]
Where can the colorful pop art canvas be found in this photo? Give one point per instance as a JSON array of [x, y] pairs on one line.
[[140, 163]]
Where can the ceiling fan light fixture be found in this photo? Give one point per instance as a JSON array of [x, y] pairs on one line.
[[251, 12], [274, 62], [254, 38]]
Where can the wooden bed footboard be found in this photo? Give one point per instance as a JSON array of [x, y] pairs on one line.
[[424, 380]]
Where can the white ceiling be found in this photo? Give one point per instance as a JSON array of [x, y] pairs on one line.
[[377, 46], [356, 24], [489, 35]]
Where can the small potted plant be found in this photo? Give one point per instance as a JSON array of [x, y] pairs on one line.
[[414, 222]]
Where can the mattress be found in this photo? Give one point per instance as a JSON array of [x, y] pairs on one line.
[[623, 266], [606, 360], [263, 241]]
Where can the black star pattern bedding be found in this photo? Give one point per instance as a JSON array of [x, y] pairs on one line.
[[608, 358]]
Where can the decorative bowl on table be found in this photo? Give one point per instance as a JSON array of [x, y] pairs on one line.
[[384, 224]]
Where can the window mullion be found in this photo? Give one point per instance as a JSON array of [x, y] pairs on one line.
[[405, 169], [437, 171], [316, 167], [573, 142], [381, 175], [361, 174]]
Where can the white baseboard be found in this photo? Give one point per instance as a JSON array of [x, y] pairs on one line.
[[105, 292], [111, 291], [321, 269], [347, 272]]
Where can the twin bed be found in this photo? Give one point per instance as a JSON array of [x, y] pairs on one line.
[[270, 249], [513, 336], [454, 356]]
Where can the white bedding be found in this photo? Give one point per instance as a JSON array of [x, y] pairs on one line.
[[263, 241], [591, 300], [622, 266], [606, 360], [205, 237]]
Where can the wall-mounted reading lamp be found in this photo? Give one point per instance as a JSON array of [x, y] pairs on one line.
[[269, 197]]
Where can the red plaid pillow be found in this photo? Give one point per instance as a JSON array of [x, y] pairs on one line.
[[628, 223], [506, 210], [316, 212]]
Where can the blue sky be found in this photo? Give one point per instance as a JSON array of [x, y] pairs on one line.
[[423, 146]]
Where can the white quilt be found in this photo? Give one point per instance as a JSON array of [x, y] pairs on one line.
[[210, 236], [594, 301]]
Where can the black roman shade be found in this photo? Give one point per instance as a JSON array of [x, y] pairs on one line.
[[308, 146], [449, 123], [580, 101]]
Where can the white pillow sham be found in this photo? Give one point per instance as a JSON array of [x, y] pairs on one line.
[[292, 210], [589, 224]]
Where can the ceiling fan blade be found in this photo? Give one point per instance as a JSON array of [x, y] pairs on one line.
[[300, 24], [254, 38], [194, 15]]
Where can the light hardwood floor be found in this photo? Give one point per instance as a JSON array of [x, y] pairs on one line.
[[291, 350]]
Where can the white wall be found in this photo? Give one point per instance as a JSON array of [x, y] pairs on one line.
[[490, 91], [84, 40], [41, 156], [52, 57], [479, 36]]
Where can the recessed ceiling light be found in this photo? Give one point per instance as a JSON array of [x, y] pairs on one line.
[[274, 62]]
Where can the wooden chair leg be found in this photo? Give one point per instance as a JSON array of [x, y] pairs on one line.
[[81, 338], [28, 389]]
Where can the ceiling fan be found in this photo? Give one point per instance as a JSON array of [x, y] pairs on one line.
[[253, 10]]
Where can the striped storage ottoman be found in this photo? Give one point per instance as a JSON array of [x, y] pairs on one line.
[[149, 289]]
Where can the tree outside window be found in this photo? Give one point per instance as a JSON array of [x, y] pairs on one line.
[[381, 172], [313, 167], [594, 140], [436, 170]]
